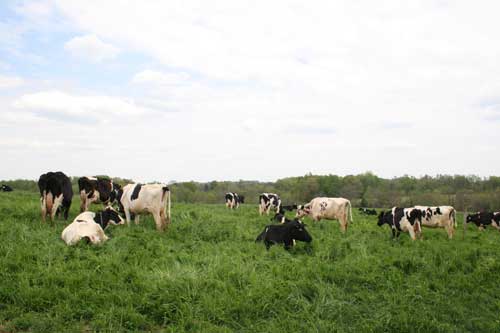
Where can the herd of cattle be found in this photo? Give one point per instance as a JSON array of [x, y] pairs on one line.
[[134, 199]]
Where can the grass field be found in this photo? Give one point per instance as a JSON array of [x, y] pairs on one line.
[[206, 274]]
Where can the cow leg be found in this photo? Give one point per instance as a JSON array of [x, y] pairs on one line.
[[411, 231], [495, 225], [164, 221], [158, 221], [44, 209], [136, 219], [343, 224], [66, 212], [268, 244], [127, 216], [450, 230]]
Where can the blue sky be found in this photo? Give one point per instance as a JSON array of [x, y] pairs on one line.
[[196, 90]]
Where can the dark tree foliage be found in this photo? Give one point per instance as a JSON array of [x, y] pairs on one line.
[[367, 190]]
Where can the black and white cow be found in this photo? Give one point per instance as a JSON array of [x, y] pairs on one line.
[[367, 211], [284, 233], [402, 220], [268, 201], [483, 219], [55, 194], [149, 198], [233, 200], [90, 226], [96, 190], [439, 217], [6, 188]]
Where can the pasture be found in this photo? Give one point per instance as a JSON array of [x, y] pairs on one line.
[[206, 274]]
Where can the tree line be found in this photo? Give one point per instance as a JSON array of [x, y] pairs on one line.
[[366, 190]]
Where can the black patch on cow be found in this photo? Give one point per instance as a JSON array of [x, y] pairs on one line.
[[413, 216], [135, 192], [438, 211]]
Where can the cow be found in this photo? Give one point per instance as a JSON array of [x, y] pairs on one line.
[[6, 188], [90, 226], [55, 194], [327, 208], [402, 220], [151, 198], [367, 211], [439, 217], [233, 200], [268, 201], [96, 190], [285, 233], [483, 219]]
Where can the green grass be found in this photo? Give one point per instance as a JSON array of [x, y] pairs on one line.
[[206, 274]]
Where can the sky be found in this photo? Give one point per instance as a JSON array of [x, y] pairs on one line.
[[254, 90]]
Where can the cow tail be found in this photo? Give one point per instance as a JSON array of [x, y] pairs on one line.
[[350, 210], [453, 217], [165, 190]]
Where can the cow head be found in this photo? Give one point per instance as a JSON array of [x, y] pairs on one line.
[[298, 231], [115, 189], [303, 210], [108, 216], [380, 221], [242, 198], [474, 218]]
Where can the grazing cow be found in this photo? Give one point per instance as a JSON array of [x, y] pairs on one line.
[[98, 190], [327, 208], [402, 220], [151, 198], [367, 211], [233, 200], [90, 226], [483, 219], [268, 201], [284, 233], [439, 217], [6, 188], [55, 194]]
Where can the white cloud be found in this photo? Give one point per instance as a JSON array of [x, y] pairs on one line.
[[328, 87], [91, 48], [68, 107], [159, 78], [7, 82]]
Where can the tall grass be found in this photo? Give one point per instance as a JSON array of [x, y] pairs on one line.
[[206, 274]]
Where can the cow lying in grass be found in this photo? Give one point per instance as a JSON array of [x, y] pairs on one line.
[[367, 211], [483, 219], [284, 233], [90, 226]]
